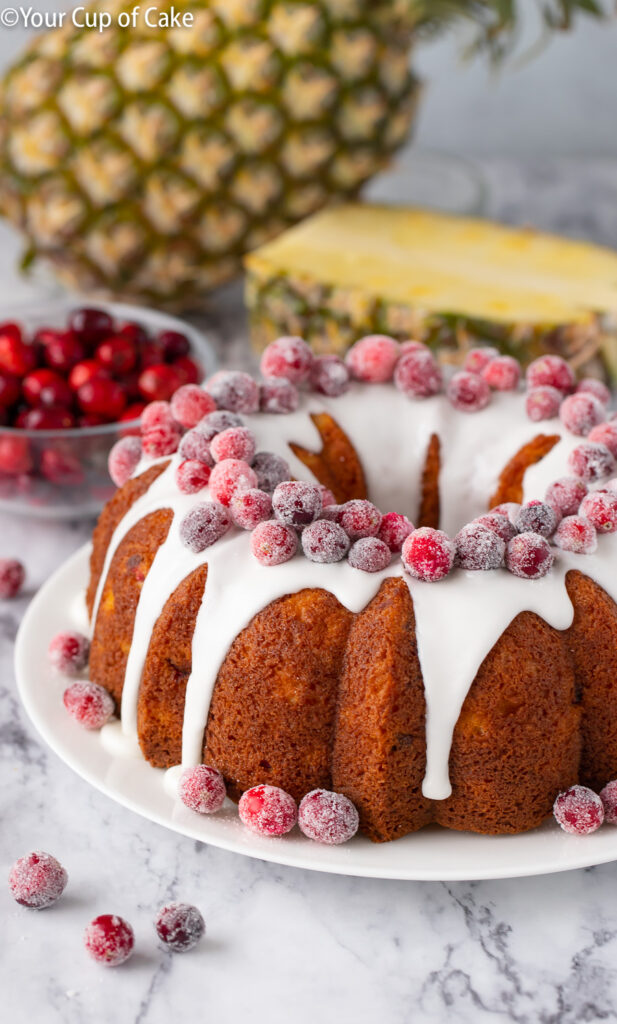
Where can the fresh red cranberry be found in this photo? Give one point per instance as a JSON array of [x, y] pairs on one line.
[[278, 395], [373, 358], [270, 470], [109, 940], [175, 345], [529, 556], [329, 376], [234, 390], [204, 525], [608, 796], [233, 443], [479, 548], [194, 445], [499, 524], [86, 371], [477, 359], [580, 412], [468, 392], [15, 457], [324, 541], [287, 357], [360, 518], [63, 352], [11, 329], [215, 422], [157, 414], [202, 789], [123, 459], [46, 388], [151, 354], [543, 403], [268, 810], [595, 387], [503, 373], [605, 433], [16, 357], [296, 503], [69, 653], [61, 467], [251, 507], [37, 880], [12, 576], [591, 461], [117, 355], [158, 382], [551, 371], [576, 534], [160, 441], [428, 554], [229, 476], [102, 397], [89, 704], [192, 476], [600, 508], [579, 811], [57, 418], [136, 333], [180, 926], [188, 370], [91, 325], [327, 817], [393, 529], [273, 543], [369, 554], [190, 404], [537, 517], [10, 390], [418, 375], [566, 495]]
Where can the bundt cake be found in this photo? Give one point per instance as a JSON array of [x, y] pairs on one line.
[[470, 702]]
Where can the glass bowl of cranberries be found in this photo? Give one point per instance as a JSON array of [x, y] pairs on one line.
[[74, 379]]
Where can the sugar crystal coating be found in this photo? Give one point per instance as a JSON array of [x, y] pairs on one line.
[[273, 542], [202, 789], [551, 371], [330, 376], [428, 554], [579, 811], [160, 441], [180, 926], [509, 509], [393, 529], [37, 880], [195, 446], [270, 470], [580, 412], [123, 459], [360, 518], [324, 541], [248, 508], [499, 524], [233, 443], [296, 503], [468, 392], [595, 387], [69, 652], [369, 554], [529, 556], [600, 508], [591, 461], [566, 494], [418, 375], [192, 476], [234, 390], [109, 940], [288, 357], [605, 433], [204, 525], [268, 810], [478, 547], [608, 796], [229, 476], [542, 403], [278, 395], [217, 421], [190, 404], [157, 414], [477, 359], [372, 359], [503, 373], [327, 817], [89, 704], [537, 517], [577, 535]]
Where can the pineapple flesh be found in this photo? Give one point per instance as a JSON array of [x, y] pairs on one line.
[[449, 281]]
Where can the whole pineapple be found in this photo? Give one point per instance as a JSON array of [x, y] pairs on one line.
[[146, 161]]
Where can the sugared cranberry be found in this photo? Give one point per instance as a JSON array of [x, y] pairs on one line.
[[251, 507], [605, 433], [327, 817], [69, 653], [215, 422], [566, 495], [468, 392], [428, 554], [10, 389], [117, 354], [180, 926], [16, 357], [37, 880], [477, 359], [234, 390], [270, 470], [158, 382], [360, 518], [287, 357], [327, 497], [57, 418], [581, 412], [268, 810], [418, 375], [202, 789], [369, 554], [233, 443], [537, 517], [63, 351], [278, 395], [324, 541], [109, 940], [91, 325], [103, 397], [175, 345], [608, 796], [194, 445], [411, 345], [595, 387], [60, 467], [579, 811], [479, 548], [46, 388], [86, 371], [89, 704], [273, 543], [157, 414], [543, 403], [503, 373], [600, 508], [15, 457], [331, 513], [160, 441], [373, 358], [190, 404], [576, 534], [204, 525], [509, 509], [551, 371], [192, 476], [591, 461], [189, 372], [229, 476], [329, 376], [499, 524], [123, 459], [393, 529], [12, 576], [296, 503], [529, 556]]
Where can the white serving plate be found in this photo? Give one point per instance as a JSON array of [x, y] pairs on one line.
[[432, 854]]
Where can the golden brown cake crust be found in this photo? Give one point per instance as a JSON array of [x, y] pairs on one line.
[[337, 466], [510, 484]]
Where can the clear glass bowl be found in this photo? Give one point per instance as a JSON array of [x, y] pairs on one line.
[[62, 474]]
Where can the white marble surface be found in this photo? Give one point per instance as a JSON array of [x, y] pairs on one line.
[[285, 945]]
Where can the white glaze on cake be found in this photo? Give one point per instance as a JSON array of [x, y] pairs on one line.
[[457, 620]]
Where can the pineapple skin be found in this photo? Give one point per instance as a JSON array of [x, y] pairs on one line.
[[145, 163]]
